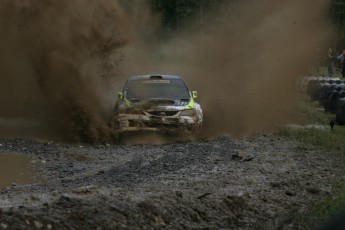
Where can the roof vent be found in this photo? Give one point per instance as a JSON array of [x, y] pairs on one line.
[[156, 77]]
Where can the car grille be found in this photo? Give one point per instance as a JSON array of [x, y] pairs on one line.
[[160, 126], [163, 113], [171, 123]]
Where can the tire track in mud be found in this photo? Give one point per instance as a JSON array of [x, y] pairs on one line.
[[203, 184]]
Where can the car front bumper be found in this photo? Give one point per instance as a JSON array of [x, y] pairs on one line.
[[133, 122]]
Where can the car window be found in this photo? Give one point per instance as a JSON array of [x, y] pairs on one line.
[[174, 89]]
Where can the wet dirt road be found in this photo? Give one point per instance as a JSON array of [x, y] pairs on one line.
[[254, 183]]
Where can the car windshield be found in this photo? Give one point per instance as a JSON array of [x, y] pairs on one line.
[[174, 89]]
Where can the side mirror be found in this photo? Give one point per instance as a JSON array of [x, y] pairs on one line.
[[194, 94], [120, 96]]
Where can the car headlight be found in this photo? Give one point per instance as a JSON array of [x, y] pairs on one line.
[[188, 112]]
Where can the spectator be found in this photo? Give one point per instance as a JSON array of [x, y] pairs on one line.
[[342, 58], [330, 63]]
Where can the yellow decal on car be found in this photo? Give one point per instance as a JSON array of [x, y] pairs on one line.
[[128, 103], [191, 104]]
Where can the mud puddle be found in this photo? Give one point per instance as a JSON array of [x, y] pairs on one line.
[[16, 169]]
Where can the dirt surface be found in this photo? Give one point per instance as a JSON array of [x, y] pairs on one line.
[[254, 183]]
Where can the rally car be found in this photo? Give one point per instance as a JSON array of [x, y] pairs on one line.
[[161, 103]]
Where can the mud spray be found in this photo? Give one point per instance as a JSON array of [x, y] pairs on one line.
[[62, 61], [57, 58], [244, 62]]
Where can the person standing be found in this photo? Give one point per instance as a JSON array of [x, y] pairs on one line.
[[330, 63], [342, 58]]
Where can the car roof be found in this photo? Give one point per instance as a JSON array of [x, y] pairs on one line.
[[154, 76]]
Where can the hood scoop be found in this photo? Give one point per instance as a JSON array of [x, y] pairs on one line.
[[160, 102]]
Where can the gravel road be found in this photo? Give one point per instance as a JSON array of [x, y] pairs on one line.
[[260, 182]]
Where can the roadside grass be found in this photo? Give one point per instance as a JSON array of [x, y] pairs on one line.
[[323, 212], [323, 71], [330, 140], [333, 142], [316, 129]]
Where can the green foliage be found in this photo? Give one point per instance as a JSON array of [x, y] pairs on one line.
[[175, 12], [337, 11], [323, 211], [331, 140], [337, 17], [312, 113], [316, 129], [178, 13]]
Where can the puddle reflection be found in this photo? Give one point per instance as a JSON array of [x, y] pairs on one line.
[[17, 169]]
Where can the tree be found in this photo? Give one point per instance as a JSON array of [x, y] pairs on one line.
[[337, 17], [178, 13]]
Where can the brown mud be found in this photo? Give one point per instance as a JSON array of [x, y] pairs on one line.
[[262, 182], [17, 169], [57, 59]]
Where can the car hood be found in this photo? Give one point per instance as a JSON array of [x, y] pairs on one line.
[[160, 103]]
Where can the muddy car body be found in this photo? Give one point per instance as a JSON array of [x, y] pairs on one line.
[[161, 103]]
